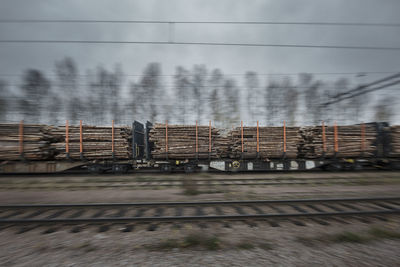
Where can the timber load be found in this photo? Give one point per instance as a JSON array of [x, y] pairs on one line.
[[34, 145], [46, 142], [271, 142], [96, 142], [179, 142], [395, 141], [352, 141], [305, 142]]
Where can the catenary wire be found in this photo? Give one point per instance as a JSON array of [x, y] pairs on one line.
[[239, 74], [311, 23], [387, 48]]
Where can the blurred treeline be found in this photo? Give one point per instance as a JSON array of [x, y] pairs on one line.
[[97, 96]]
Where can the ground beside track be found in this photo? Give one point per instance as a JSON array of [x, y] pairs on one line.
[[337, 244], [56, 189], [241, 245], [109, 195]]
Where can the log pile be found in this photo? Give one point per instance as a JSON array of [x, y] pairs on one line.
[[43, 142], [36, 142], [395, 141], [271, 144], [182, 142], [96, 141], [349, 141]]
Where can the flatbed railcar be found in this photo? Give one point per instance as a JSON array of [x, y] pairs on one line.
[[142, 160]]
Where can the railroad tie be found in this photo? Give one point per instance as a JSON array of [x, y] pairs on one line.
[[26, 229], [159, 212], [56, 214], [99, 213], [18, 212]]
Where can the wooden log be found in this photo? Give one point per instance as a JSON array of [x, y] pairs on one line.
[[182, 142], [36, 142], [96, 142]]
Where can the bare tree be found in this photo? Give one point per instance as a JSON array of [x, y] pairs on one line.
[[384, 109], [67, 74], [313, 102], [215, 83], [151, 86], [290, 101], [273, 102], [54, 108], [136, 102], [311, 90], [199, 88], [357, 105], [341, 108], [104, 98], [231, 103], [253, 94], [115, 88], [97, 101], [3, 101], [325, 112], [182, 91], [35, 87]]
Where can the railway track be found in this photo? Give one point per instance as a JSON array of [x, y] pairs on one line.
[[321, 211], [54, 183]]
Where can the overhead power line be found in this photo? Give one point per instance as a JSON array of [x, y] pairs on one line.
[[231, 74], [305, 23], [203, 44], [364, 89], [361, 87]]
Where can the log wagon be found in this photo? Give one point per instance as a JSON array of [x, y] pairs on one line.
[[34, 148]]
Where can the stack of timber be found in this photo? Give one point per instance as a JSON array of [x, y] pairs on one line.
[[395, 140], [36, 142], [96, 142], [182, 142], [350, 141], [271, 142]]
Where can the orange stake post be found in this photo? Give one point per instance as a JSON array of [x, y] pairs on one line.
[[21, 138], [323, 138], [197, 141], [67, 138], [362, 138], [284, 136], [335, 129], [166, 139], [241, 127], [258, 139], [112, 137], [80, 137], [209, 137]]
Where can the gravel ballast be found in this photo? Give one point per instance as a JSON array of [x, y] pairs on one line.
[[239, 245]]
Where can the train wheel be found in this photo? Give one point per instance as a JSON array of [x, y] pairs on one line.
[[119, 169], [189, 168], [166, 168], [95, 169], [334, 167], [394, 165]]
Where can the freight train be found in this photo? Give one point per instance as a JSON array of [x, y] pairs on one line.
[[246, 149]]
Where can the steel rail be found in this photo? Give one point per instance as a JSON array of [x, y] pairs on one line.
[[195, 179], [179, 183], [199, 203], [198, 218]]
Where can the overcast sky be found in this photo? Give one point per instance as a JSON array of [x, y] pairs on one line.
[[15, 57], [232, 60]]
